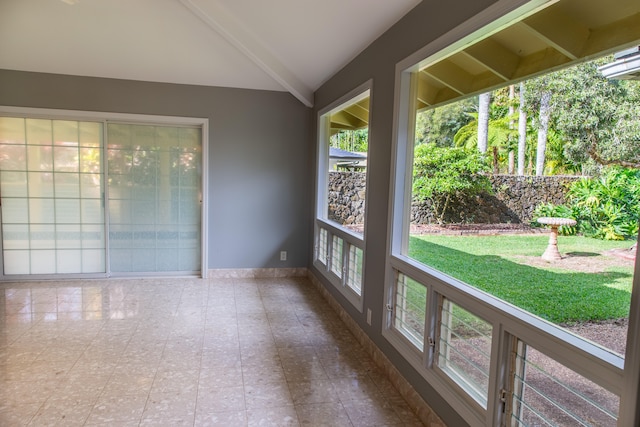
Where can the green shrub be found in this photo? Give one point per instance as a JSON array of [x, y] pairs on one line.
[[441, 173], [607, 207]]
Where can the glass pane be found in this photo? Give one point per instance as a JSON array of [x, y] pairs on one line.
[[39, 132], [16, 262], [336, 256], [68, 261], [322, 246], [40, 158], [91, 211], [547, 393], [65, 133], [43, 262], [13, 157], [66, 159], [13, 184], [67, 185], [41, 184], [42, 236], [464, 350], [90, 160], [15, 211], [41, 211], [91, 186], [67, 211], [90, 134], [68, 236], [15, 236], [93, 236], [409, 310], [12, 130], [93, 261], [354, 274]]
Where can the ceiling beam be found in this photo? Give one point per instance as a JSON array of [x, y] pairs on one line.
[[621, 34], [450, 75], [347, 120], [222, 22], [559, 31], [492, 55]]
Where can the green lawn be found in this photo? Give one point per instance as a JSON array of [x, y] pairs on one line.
[[497, 265]]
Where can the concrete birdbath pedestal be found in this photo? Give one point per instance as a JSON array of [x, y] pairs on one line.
[[552, 253]]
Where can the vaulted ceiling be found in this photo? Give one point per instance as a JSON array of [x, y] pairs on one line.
[[281, 45]]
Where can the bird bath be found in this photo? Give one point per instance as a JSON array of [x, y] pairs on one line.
[[552, 253]]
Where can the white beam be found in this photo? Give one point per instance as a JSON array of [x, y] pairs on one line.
[[222, 22]]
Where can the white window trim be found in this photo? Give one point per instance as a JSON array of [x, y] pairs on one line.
[[321, 206], [614, 373], [106, 117]]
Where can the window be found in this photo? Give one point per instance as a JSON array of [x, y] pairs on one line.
[[496, 361], [343, 142]]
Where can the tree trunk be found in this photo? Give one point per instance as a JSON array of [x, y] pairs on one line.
[[512, 95], [543, 128], [522, 132], [483, 121]]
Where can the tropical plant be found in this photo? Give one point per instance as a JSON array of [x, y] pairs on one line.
[[441, 173]]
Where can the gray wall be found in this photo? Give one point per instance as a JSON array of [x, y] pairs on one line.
[[427, 21], [259, 155]]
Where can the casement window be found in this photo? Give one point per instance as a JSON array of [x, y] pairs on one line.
[[100, 195], [496, 363], [343, 140]]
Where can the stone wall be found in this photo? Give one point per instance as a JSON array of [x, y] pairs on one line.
[[346, 197], [513, 200]]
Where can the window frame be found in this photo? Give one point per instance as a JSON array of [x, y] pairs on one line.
[[106, 118], [620, 375], [332, 229]]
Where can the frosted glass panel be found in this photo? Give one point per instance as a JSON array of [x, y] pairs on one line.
[[67, 185], [65, 132], [93, 261], [68, 261], [40, 184], [39, 131], [42, 236], [68, 211], [15, 211], [13, 157], [90, 134], [43, 262], [50, 211], [91, 210], [69, 236], [13, 184], [15, 236], [154, 198], [12, 130], [16, 262], [39, 158]]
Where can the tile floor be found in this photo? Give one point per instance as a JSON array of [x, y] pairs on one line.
[[178, 352]]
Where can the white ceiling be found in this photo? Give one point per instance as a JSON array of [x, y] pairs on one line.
[[282, 45]]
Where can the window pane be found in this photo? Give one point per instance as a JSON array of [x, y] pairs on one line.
[[354, 274], [547, 393], [409, 309], [322, 246], [336, 256], [464, 350]]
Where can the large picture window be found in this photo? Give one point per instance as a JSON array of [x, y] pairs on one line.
[[500, 278], [343, 143]]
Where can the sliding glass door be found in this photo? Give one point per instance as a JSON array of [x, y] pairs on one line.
[[154, 198], [66, 209]]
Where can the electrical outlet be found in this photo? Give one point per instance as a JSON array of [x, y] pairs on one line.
[[283, 255], [369, 316]]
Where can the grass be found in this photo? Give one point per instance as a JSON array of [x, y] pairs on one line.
[[497, 265]]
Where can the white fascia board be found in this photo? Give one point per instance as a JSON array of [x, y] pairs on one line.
[[225, 24]]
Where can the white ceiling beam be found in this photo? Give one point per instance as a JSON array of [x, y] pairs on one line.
[[222, 22]]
